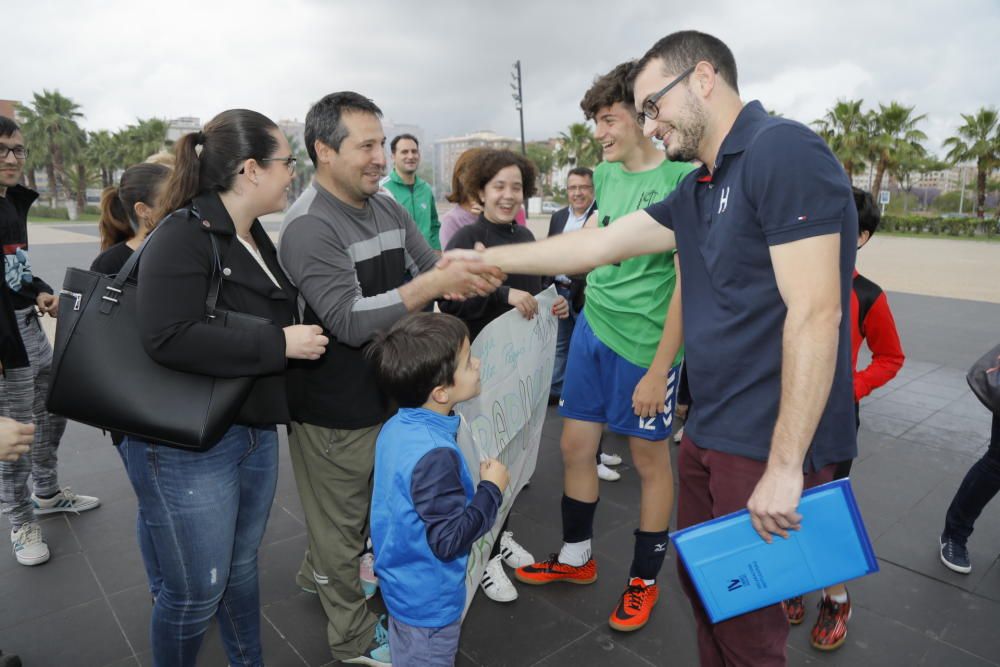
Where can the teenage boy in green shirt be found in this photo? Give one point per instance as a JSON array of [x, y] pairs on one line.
[[623, 362]]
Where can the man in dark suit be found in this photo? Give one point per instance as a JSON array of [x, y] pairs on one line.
[[580, 192]]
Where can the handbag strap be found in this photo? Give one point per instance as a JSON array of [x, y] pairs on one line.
[[117, 285], [216, 286]]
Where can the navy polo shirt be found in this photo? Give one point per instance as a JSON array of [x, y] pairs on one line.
[[775, 181]]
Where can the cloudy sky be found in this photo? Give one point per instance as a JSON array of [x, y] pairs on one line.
[[446, 65]]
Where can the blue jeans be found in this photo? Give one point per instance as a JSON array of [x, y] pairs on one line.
[[978, 488], [563, 337], [205, 513], [152, 565]]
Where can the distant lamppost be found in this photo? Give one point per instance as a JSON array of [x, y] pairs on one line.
[[518, 96]]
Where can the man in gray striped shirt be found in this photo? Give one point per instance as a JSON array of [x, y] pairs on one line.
[[351, 253]]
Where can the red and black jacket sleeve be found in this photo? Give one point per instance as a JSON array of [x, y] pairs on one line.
[[875, 325]]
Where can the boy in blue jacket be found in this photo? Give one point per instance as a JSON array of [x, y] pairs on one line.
[[426, 513]]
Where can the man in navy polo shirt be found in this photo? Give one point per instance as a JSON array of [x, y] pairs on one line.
[[766, 235]]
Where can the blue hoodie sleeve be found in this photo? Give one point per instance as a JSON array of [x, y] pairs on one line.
[[439, 498]]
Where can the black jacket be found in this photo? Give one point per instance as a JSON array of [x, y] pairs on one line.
[[12, 352], [481, 310], [175, 273], [14, 235], [557, 223]]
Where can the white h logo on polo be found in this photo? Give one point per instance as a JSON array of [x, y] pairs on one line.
[[723, 199]]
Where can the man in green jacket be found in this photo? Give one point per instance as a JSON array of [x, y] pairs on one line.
[[412, 192]]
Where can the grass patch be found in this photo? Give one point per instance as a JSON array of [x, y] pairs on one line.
[[86, 217], [946, 237]]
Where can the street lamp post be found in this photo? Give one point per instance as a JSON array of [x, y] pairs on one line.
[[518, 96]]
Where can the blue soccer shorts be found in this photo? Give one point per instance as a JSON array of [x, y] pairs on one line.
[[599, 384]]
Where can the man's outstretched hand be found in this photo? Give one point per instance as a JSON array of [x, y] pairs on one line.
[[465, 274]]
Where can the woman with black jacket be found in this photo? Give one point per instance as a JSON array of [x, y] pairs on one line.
[[206, 511], [502, 180]]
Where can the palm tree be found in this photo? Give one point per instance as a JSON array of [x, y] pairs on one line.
[[909, 163], [103, 154], [895, 139], [543, 156], [52, 123], [37, 159], [846, 129], [978, 139], [137, 142], [578, 147], [80, 175]]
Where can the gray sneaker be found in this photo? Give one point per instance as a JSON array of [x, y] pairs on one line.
[[64, 501], [29, 545]]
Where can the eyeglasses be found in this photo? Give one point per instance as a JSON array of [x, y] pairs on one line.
[[20, 152], [289, 161], [649, 108]]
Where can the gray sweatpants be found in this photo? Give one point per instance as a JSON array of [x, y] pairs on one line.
[[23, 392], [411, 646]]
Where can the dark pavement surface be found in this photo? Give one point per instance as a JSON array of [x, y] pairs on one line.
[[89, 605]]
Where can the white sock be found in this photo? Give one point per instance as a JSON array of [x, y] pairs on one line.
[[839, 599], [575, 553]]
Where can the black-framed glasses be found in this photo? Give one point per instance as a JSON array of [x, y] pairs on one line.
[[289, 161], [20, 152], [649, 108]]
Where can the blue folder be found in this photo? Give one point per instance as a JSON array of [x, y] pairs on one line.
[[735, 571]]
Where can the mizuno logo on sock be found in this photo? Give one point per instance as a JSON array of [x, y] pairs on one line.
[[660, 547]]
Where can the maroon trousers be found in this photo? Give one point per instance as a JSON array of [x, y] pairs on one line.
[[712, 484]]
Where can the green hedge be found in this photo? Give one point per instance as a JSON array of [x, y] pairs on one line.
[[937, 226], [92, 209], [57, 213]]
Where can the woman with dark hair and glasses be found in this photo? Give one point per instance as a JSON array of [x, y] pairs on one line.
[[206, 511]]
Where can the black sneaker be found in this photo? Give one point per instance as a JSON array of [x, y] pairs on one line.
[[954, 555]]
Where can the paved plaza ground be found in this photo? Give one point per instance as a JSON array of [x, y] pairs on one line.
[[89, 605]]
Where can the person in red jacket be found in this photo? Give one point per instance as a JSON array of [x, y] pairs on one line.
[[872, 323]]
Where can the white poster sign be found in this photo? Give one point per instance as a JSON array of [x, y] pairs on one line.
[[505, 421]]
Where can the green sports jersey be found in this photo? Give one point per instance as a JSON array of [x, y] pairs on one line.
[[627, 302]]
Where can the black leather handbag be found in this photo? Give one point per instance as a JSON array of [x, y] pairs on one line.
[[984, 379], [102, 375]]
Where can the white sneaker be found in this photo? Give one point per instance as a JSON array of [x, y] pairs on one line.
[[29, 546], [514, 555], [679, 435], [607, 474], [611, 459], [64, 501], [495, 583]]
